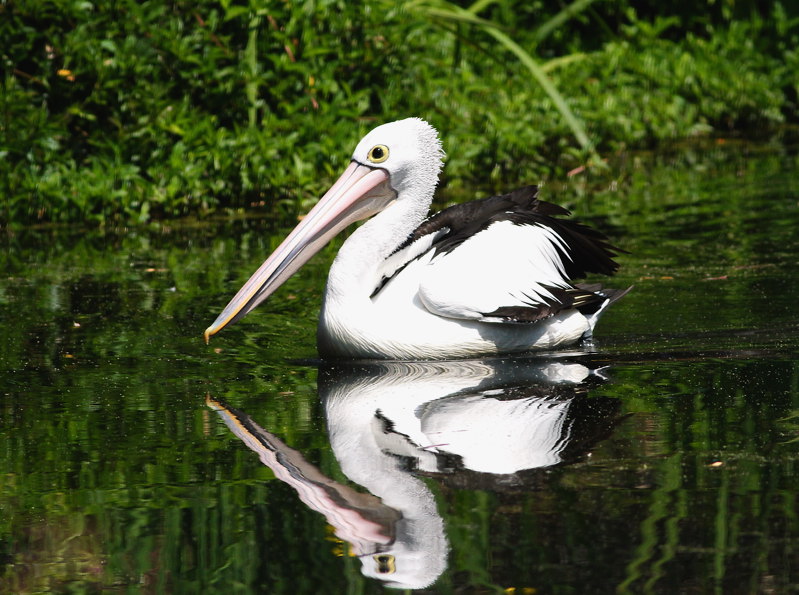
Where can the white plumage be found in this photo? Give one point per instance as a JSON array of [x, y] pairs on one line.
[[491, 276]]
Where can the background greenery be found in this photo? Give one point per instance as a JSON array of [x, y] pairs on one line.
[[126, 111]]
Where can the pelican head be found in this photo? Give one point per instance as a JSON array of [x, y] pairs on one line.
[[409, 151], [395, 161]]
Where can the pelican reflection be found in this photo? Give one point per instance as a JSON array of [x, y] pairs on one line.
[[392, 425]]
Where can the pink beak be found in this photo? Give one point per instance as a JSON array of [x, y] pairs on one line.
[[359, 193]]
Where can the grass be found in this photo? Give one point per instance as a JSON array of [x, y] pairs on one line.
[[125, 112]]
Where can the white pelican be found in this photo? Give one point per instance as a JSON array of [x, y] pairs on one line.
[[489, 276]]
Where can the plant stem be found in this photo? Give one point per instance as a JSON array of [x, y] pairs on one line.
[[251, 61]]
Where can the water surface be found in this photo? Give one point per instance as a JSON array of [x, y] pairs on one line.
[[135, 458]]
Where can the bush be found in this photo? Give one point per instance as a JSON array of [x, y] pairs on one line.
[[129, 111]]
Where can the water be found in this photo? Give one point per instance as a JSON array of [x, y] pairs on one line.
[[134, 458]]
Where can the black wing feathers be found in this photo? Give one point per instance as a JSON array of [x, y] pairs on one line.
[[584, 250], [588, 251], [576, 298]]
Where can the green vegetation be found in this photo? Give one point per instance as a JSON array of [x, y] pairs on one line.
[[136, 110]]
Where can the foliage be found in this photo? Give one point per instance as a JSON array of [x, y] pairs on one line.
[[133, 110]]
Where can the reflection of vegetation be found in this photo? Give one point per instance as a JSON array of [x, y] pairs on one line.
[[137, 110], [167, 500], [723, 501]]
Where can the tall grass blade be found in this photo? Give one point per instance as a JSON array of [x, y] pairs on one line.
[[446, 11], [481, 5], [559, 19], [546, 84], [251, 60]]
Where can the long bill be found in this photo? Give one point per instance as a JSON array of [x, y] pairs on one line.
[[359, 193]]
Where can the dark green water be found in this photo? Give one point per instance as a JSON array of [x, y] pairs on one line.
[[134, 458]]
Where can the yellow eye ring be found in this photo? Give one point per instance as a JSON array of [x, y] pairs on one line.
[[386, 563], [378, 154]]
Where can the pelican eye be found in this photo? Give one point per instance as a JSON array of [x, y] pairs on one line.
[[385, 564], [378, 154]]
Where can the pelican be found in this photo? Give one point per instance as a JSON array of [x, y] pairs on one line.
[[490, 276]]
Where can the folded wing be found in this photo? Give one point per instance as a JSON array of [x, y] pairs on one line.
[[507, 258]]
